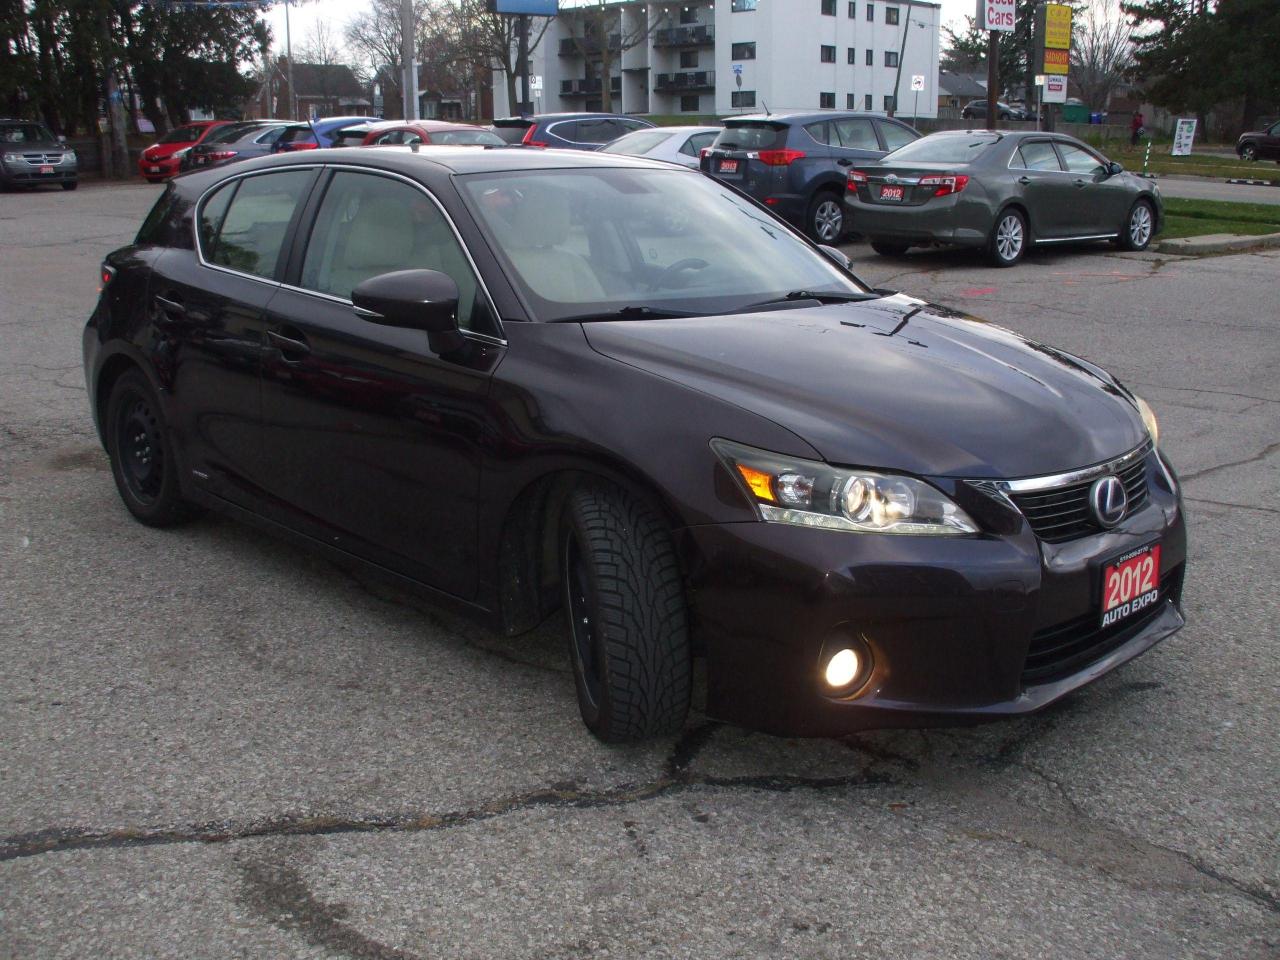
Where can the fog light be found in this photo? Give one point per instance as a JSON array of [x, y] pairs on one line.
[[842, 668]]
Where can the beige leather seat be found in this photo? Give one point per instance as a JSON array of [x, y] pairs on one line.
[[379, 239], [541, 222]]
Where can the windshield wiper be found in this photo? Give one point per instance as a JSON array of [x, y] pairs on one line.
[[796, 296], [632, 312]]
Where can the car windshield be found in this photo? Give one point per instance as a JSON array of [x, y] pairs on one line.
[[182, 135], [25, 133], [945, 148], [467, 138], [638, 143], [751, 136], [582, 243], [232, 131]]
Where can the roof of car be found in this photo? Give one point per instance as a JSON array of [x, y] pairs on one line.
[[806, 117], [587, 115]]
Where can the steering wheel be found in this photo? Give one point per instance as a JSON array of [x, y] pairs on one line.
[[669, 273]]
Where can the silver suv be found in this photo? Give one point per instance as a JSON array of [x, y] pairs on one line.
[[30, 155]]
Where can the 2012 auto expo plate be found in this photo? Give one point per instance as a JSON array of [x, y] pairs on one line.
[[891, 193], [1130, 584]]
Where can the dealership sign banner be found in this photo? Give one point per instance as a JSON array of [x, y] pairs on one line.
[[1057, 26], [997, 15], [1055, 89]]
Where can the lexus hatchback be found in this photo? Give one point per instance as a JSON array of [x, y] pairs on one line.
[[507, 377]]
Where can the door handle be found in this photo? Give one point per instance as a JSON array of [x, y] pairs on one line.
[[170, 306], [845, 163], [1080, 182], [1024, 180], [289, 348]]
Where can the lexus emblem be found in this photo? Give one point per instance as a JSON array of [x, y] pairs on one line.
[[1109, 501]]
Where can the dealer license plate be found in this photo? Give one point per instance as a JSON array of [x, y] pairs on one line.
[[891, 193], [154, 169], [728, 166], [1130, 584], [46, 169]]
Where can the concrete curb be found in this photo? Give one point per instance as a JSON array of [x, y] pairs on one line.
[[1217, 243], [1257, 183]]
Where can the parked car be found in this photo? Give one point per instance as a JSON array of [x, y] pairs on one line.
[[682, 145], [319, 133], [163, 159], [439, 132], [355, 134], [567, 131], [977, 110], [1260, 144], [494, 374], [795, 163], [1003, 192], [235, 142], [31, 155]]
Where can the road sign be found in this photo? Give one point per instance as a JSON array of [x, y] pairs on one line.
[[737, 68], [535, 83], [997, 15], [1055, 89], [917, 81], [1184, 136]]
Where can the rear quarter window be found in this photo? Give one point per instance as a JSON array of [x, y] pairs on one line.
[[752, 136], [154, 229]]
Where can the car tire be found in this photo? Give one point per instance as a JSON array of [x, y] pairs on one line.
[[1009, 238], [888, 249], [824, 221], [1249, 152], [625, 606], [1139, 227], [141, 453], [70, 184]]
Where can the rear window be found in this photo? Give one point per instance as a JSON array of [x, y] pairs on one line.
[[637, 144], [511, 131], [297, 135], [152, 230], [467, 138], [944, 149], [232, 131], [752, 136]]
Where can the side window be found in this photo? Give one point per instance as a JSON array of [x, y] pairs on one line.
[[253, 230], [411, 138], [819, 132], [211, 216], [597, 131], [271, 136], [565, 130], [370, 225], [856, 133], [697, 143], [895, 136], [150, 231], [1038, 155], [1080, 161], [395, 136]]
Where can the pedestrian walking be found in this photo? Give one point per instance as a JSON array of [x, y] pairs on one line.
[[1137, 127]]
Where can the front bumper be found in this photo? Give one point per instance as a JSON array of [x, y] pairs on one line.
[[26, 174], [163, 167], [949, 621]]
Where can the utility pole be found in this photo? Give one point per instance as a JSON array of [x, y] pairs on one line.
[[409, 57], [993, 78], [522, 64], [902, 53], [288, 56]]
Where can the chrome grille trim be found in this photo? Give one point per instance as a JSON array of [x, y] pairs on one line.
[[1053, 481]]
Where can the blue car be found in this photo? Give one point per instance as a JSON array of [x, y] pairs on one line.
[[320, 133]]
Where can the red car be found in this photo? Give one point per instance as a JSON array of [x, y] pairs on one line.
[[435, 132], [161, 160]]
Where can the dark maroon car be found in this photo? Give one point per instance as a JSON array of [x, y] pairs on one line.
[[514, 381], [1260, 144]]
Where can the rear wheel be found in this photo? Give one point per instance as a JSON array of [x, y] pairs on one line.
[[1139, 227], [888, 249], [825, 221], [142, 460], [628, 629], [1008, 241]]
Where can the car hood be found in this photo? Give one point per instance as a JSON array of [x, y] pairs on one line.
[[158, 151], [894, 383]]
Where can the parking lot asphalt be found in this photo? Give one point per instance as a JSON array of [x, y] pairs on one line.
[[217, 745]]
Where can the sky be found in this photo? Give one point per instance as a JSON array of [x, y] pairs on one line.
[[304, 13]]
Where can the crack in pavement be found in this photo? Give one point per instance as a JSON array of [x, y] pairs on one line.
[[1235, 506], [1266, 451], [1222, 393]]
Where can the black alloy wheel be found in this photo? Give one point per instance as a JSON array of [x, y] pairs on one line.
[[142, 461], [625, 606]]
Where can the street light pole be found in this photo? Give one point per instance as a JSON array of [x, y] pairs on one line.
[[993, 78], [409, 57], [288, 56]]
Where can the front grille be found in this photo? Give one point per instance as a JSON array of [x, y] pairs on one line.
[[42, 158], [1063, 513], [1065, 648]]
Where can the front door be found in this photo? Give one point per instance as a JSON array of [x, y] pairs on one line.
[[373, 442], [1103, 200]]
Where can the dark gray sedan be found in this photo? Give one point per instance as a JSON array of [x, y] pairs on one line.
[[1002, 191]]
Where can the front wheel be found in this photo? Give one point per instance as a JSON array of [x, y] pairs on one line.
[[70, 184], [1249, 153], [826, 218], [1008, 241], [141, 453], [628, 624], [1139, 227], [887, 249]]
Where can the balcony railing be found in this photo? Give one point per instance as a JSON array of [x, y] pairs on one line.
[[575, 47], [584, 87], [690, 80], [698, 35]]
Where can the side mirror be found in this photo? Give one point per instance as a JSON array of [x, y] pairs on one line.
[[413, 299], [835, 255], [1114, 168]]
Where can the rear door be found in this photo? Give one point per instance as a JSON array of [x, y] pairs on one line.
[[1102, 201], [1046, 189]]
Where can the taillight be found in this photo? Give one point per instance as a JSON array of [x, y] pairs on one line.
[[221, 154], [780, 158], [702, 154], [528, 140], [946, 183], [856, 177], [105, 275]]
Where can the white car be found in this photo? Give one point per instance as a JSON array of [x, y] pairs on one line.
[[673, 144]]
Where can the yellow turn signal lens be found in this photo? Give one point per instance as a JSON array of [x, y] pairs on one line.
[[760, 483]]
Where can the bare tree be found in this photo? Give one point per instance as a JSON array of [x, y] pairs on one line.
[[487, 41], [1101, 52], [606, 35], [374, 40]]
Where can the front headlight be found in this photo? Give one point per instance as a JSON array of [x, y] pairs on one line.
[[69, 156], [12, 157], [1149, 420], [811, 494]]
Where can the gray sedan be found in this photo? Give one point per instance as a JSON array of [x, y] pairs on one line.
[[1001, 191]]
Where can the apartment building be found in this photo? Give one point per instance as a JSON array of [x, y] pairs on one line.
[[687, 57]]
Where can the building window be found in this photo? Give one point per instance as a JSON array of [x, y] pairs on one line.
[[889, 105], [690, 104], [853, 55], [742, 98], [688, 15], [871, 11], [688, 58], [828, 54], [850, 101], [891, 15], [828, 8], [827, 101], [742, 6], [866, 102], [743, 51], [871, 58], [853, 9], [891, 58]]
